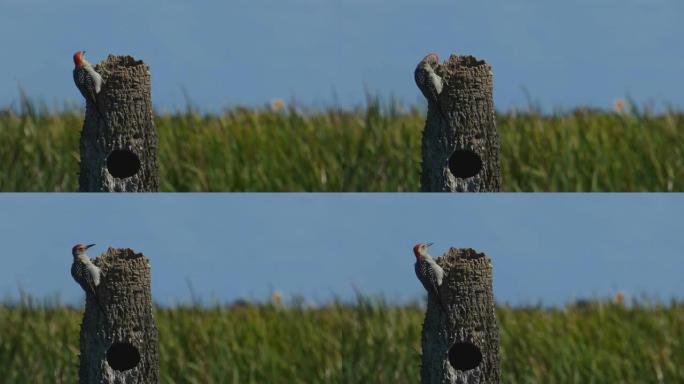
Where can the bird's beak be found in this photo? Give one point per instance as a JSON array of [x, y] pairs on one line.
[[428, 244], [89, 245]]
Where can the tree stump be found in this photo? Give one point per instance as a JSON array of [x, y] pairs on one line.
[[463, 345], [119, 343], [119, 147], [460, 148]]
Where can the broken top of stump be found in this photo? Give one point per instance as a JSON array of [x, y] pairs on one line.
[[463, 63], [115, 68], [459, 255], [117, 63]]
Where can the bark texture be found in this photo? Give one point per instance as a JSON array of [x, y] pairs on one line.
[[467, 292], [124, 293], [461, 153], [119, 147]]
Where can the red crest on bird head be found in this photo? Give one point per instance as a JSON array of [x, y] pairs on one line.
[[417, 248], [78, 248], [78, 58], [432, 58]]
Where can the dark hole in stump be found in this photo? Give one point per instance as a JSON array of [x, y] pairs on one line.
[[464, 163], [122, 163], [464, 356], [123, 356]]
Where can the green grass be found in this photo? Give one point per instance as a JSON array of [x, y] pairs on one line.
[[364, 342], [374, 148]]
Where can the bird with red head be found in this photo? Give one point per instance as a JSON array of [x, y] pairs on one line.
[[87, 80], [85, 273], [429, 273]]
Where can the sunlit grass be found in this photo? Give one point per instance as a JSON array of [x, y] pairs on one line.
[[363, 342], [375, 148]]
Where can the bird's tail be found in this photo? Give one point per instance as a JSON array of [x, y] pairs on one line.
[[441, 304], [99, 304], [97, 110], [441, 112]]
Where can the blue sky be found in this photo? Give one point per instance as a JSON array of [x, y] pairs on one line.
[[548, 247], [323, 52]]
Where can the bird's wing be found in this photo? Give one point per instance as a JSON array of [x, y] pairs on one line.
[[92, 287], [91, 90], [77, 81]]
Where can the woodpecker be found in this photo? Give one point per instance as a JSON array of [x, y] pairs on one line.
[[429, 83], [87, 80], [429, 273], [86, 274]]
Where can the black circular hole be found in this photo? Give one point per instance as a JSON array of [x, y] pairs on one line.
[[123, 356], [464, 163], [122, 163], [464, 356]]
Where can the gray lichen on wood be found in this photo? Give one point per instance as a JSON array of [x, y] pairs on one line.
[[468, 133], [467, 293], [125, 295], [126, 125]]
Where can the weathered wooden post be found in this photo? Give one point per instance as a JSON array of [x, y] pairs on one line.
[[460, 146], [119, 147], [463, 345], [119, 342]]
